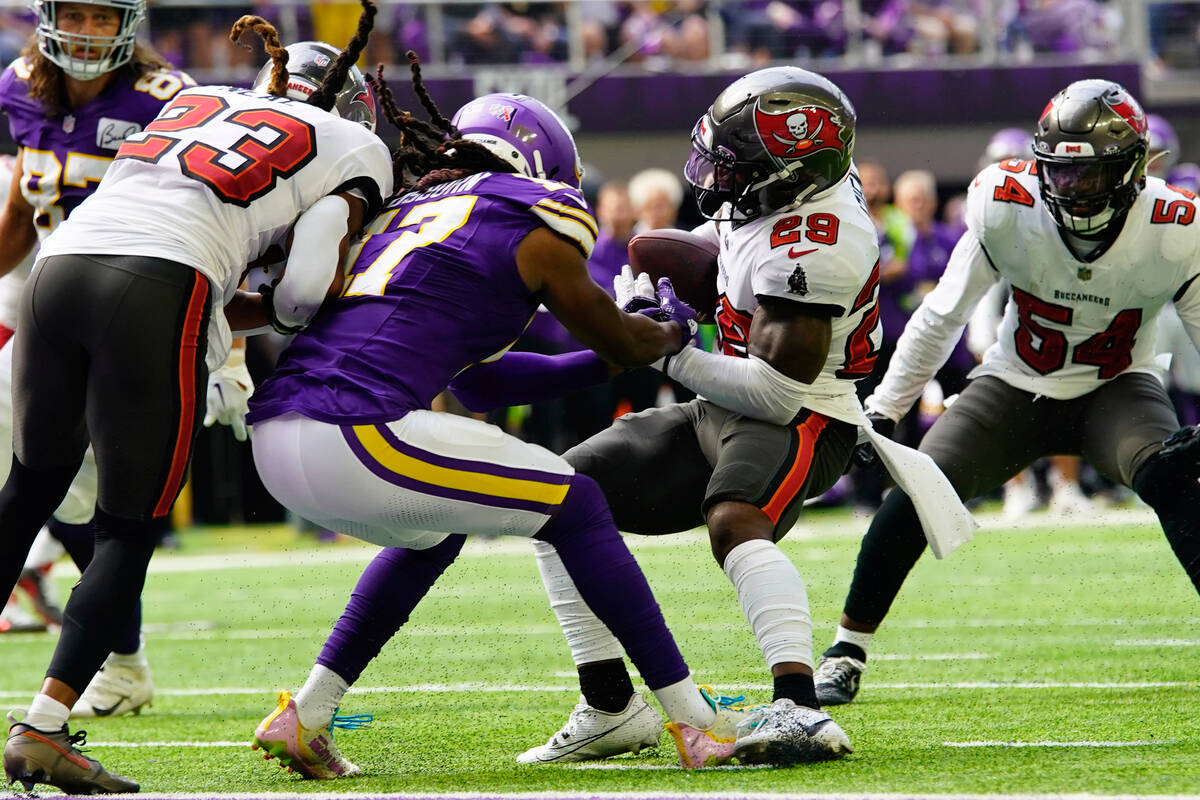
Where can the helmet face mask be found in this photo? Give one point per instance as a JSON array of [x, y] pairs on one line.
[[523, 132], [1090, 149], [773, 138], [307, 64], [87, 57]]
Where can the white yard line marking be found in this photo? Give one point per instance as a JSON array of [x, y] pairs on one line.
[[834, 528], [445, 688], [245, 744], [608, 765], [1157, 643], [1058, 744], [659, 795]]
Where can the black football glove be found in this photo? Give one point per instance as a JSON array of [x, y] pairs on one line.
[[864, 455]]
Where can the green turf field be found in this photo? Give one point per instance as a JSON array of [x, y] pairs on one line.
[[1052, 659]]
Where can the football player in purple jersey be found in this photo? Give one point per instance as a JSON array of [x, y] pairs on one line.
[[125, 319], [487, 225], [80, 87]]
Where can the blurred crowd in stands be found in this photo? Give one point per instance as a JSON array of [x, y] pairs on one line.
[[662, 33]]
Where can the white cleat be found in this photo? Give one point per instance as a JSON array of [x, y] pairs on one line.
[[591, 734], [117, 689], [783, 734], [1068, 500]]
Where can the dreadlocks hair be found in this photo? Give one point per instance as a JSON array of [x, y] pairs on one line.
[[270, 38], [430, 152], [326, 95]]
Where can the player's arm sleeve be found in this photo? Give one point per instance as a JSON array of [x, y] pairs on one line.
[[748, 386], [1187, 306], [934, 328], [518, 378], [313, 261]]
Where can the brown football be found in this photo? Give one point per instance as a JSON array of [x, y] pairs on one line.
[[687, 259]]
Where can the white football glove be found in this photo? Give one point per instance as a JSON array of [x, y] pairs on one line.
[[634, 294], [229, 390]]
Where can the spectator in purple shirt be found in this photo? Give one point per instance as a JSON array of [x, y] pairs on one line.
[[915, 194]]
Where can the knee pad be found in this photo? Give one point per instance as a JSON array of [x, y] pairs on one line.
[[1173, 470]]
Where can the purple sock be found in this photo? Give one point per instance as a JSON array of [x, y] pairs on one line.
[[611, 583], [389, 589], [79, 541]]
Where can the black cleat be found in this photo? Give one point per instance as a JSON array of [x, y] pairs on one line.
[[837, 679], [34, 756]]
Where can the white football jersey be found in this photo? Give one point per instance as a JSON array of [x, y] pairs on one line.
[[823, 252], [216, 178], [1068, 325]]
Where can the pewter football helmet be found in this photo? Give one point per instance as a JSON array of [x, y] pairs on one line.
[[1090, 146], [307, 64]]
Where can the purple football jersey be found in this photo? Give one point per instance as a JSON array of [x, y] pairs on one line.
[[434, 290], [66, 155]]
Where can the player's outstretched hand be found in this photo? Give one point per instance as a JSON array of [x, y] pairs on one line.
[[675, 310], [634, 295], [864, 455], [229, 390]]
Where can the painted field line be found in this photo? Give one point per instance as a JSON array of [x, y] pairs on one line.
[[610, 765], [245, 744], [838, 527], [1058, 744], [725, 794], [446, 688], [1157, 643]]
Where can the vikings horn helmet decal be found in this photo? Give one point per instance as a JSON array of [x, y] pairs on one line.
[[773, 138], [307, 64], [1090, 146]]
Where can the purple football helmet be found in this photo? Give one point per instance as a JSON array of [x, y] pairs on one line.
[[1007, 143], [523, 132], [1162, 140], [1185, 176]]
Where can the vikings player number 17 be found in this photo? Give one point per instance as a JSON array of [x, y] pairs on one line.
[[425, 224]]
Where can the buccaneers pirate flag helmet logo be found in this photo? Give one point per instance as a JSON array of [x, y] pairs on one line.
[[771, 138], [797, 132]]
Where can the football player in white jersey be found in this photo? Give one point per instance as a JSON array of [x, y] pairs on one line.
[[82, 84], [777, 417], [1093, 249], [124, 318]]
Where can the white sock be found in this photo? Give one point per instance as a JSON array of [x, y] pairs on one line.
[[683, 704], [858, 638], [774, 601], [46, 714], [135, 659], [319, 698], [589, 639]]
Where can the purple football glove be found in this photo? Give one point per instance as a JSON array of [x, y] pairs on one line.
[[675, 310]]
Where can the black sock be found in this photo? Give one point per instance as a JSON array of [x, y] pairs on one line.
[[846, 649], [606, 685], [797, 687]]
